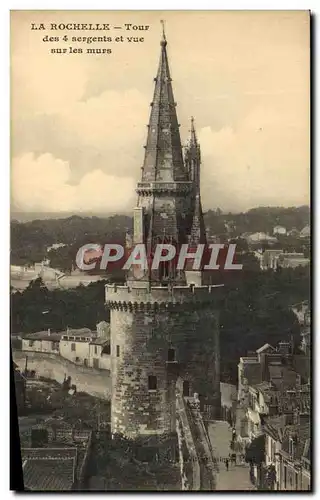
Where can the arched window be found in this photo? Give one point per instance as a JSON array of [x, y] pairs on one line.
[[167, 269]]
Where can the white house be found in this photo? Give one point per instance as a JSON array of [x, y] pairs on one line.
[[85, 347], [99, 353], [260, 237], [41, 342], [81, 346], [279, 230], [305, 232], [74, 345], [293, 260]]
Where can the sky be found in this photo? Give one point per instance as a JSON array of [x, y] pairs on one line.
[[78, 121]]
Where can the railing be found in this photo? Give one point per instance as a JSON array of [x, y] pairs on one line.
[[194, 441]]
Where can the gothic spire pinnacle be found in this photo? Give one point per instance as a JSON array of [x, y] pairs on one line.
[[193, 136], [163, 157], [163, 42]]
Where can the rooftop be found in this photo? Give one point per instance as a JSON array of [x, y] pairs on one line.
[[48, 474], [45, 335], [301, 435], [265, 347], [249, 359], [100, 341]]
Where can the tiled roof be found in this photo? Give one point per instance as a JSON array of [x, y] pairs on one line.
[[85, 332], [100, 341], [48, 475], [274, 426], [249, 359], [52, 336], [82, 333], [263, 386], [300, 433], [265, 347], [62, 453]]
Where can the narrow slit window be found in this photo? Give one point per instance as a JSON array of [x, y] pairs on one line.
[[171, 354], [118, 351], [152, 383], [186, 388]]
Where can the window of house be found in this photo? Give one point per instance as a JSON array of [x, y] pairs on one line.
[[290, 446], [285, 476], [96, 349], [118, 351], [31, 342], [185, 388], [171, 354], [152, 383], [73, 346], [106, 349]]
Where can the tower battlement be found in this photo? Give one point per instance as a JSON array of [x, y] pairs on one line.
[[160, 296]]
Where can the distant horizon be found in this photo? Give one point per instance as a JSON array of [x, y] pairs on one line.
[[24, 216]]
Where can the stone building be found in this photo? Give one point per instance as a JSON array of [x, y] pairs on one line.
[[164, 322], [279, 230], [46, 342], [75, 345], [54, 456], [99, 353]]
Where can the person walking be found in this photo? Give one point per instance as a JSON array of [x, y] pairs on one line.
[[227, 464]]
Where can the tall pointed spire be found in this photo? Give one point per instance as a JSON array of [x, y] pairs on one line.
[[193, 161], [164, 40], [165, 194], [193, 139], [163, 157]]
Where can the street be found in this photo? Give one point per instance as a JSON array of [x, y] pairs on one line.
[[237, 477]]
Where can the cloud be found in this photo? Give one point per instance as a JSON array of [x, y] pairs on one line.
[[106, 132], [262, 162], [250, 98], [42, 184]]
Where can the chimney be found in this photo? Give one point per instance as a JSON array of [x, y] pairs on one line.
[[284, 347]]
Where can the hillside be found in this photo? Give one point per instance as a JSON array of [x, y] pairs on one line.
[[30, 240]]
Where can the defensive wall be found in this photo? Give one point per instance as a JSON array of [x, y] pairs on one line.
[[89, 380]]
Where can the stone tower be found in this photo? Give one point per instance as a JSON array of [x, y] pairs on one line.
[[164, 322]]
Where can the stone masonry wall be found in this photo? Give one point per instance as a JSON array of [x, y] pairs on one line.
[[94, 382], [140, 343]]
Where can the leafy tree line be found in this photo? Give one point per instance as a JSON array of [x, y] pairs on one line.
[[256, 310], [262, 219], [37, 308], [30, 240]]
